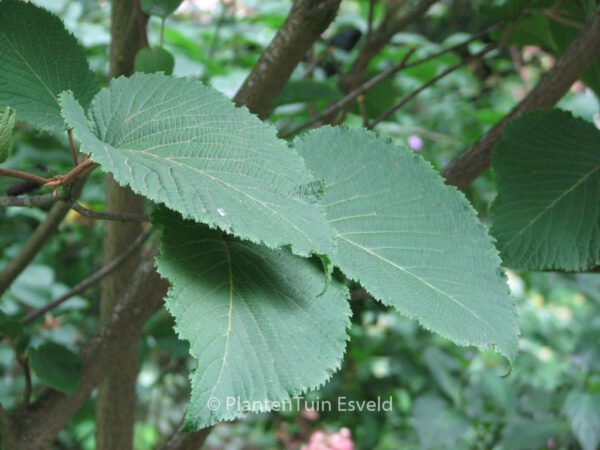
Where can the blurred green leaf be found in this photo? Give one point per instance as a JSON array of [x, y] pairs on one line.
[[300, 91], [160, 8], [527, 434], [155, 59], [9, 326], [57, 366], [437, 425], [583, 412]]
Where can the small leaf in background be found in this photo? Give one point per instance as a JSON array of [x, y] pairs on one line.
[[412, 242], [155, 59], [9, 326], [300, 91], [160, 8], [258, 320], [7, 125], [526, 434], [181, 143], [577, 12], [44, 60], [437, 424], [547, 213], [56, 366], [583, 412]]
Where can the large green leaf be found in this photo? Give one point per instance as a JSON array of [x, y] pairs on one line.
[[583, 411], [255, 319], [411, 241], [38, 60], [181, 143], [547, 213], [57, 366]]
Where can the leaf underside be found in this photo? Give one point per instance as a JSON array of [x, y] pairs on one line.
[[547, 213], [181, 143], [253, 316], [410, 240], [39, 60]]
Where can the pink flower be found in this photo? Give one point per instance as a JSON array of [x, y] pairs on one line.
[[320, 440], [415, 142]]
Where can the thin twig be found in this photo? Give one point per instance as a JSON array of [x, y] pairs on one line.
[[73, 147], [82, 168], [92, 280], [24, 363], [556, 17], [454, 47], [371, 83], [113, 216], [336, 106], [370, 19], [48, 199], [29, 202], [429, 83], [12, 173], [551, 88], [218, 26]]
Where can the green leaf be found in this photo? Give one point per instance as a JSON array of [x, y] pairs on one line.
[[39, 60], [155, 59], [300, 91], [547, 213], [255, 319], [527, 434], [437, 425], [160, 8], [184, 144], [410, 240], [532, 29], [9, 326], [502, 9], [7, 124], [564, 35], [57, 366], [583, 412]]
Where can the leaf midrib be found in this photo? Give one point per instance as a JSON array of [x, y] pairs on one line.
[[406, 271], [227, 334], [551, 205]]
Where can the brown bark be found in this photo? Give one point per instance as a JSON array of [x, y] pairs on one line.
[[554, 85], [303, 26], [187, 441], [115, 404]]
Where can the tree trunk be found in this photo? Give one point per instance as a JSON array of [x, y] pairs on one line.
[[115, 407]]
